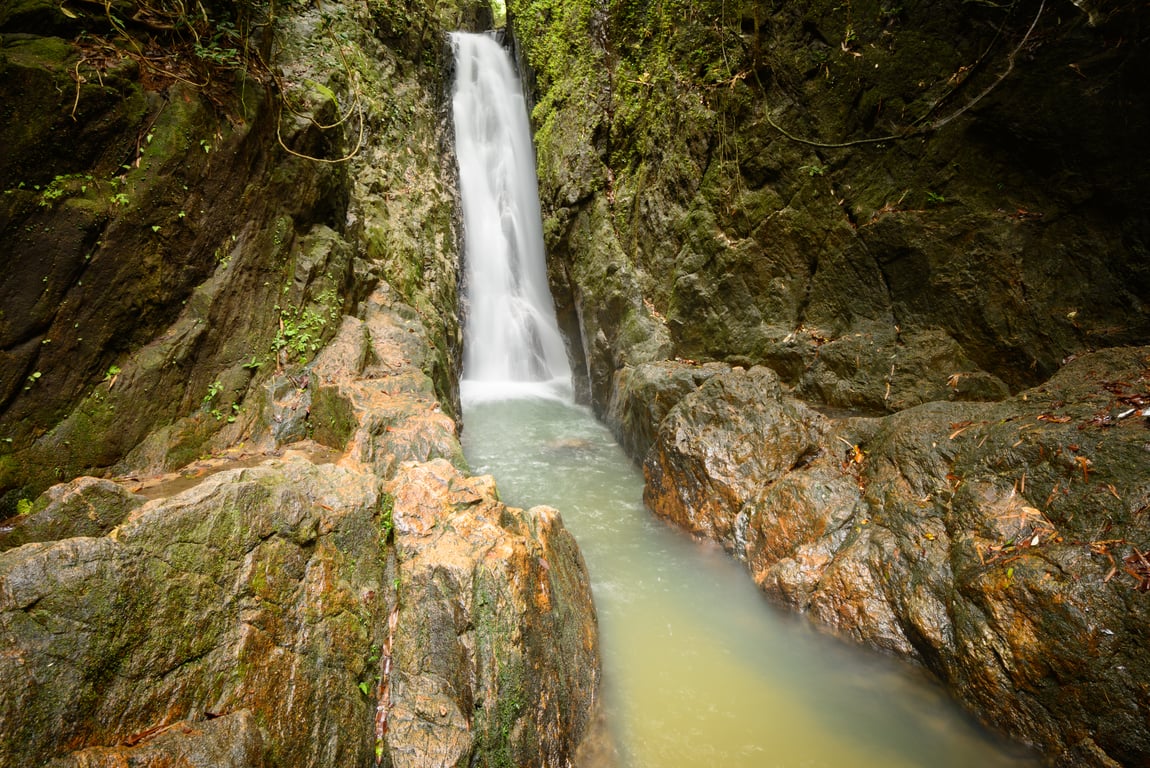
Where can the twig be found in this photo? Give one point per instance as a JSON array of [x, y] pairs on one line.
[[912, 130], [1009, 68]]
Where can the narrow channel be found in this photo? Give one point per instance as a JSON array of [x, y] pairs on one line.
[[699, 668]]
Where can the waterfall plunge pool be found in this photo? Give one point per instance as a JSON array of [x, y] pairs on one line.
[[699, 669]]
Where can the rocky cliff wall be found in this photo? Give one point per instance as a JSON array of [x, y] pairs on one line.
[[869, 197], [229, 290], [771, 224]]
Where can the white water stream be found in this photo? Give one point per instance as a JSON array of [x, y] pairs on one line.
[[510, 314], [699, 670]]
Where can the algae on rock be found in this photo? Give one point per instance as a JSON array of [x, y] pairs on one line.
[[269, 276], [955, 233]]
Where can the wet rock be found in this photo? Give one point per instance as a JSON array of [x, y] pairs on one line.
[[210, 601], [490, 598], [159, 286], [779, 200], [86, 506], [722, 443], [230, 741], [999, 544], [642, 395], [274, 591], [882, 370], [371, 395]]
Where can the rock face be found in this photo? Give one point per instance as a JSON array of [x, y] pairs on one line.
[[238, 302], [1001, 545], [493, 641], [263, 617], [252, 228], [886, 205], [756, 212]]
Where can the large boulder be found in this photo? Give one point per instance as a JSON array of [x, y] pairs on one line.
[[495, 649], [1001, 545], [250, 591], [264, 616], [86, 506]]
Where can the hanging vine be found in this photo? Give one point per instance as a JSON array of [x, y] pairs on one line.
[[920, 126]]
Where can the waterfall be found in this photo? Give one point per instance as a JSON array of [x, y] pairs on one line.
[[512, 343], [697, 670]]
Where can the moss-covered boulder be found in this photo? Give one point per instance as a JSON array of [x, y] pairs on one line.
[[86, 506], [270, 600], [231, 292]]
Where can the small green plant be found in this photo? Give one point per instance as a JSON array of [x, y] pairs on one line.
[[220, 50], [386, 523], [813, 170], [62, 185], [933, 198], [118, 199], [213, 389], [23, 507], [215, 410], [890, 12], [330, 299], [300, 336], [32, 379], [111, 374]]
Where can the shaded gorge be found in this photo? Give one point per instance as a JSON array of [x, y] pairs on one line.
[[699, 669]]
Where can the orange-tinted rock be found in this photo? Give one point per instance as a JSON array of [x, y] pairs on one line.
[[998, 544]]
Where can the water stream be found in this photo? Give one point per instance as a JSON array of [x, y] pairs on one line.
[[699, 669]]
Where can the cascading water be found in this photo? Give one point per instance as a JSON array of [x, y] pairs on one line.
[[510, 315], [698, 669]]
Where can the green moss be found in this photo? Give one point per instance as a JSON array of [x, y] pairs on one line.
[[503, 676], [51, 53], [386, 522], [332, 418]]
